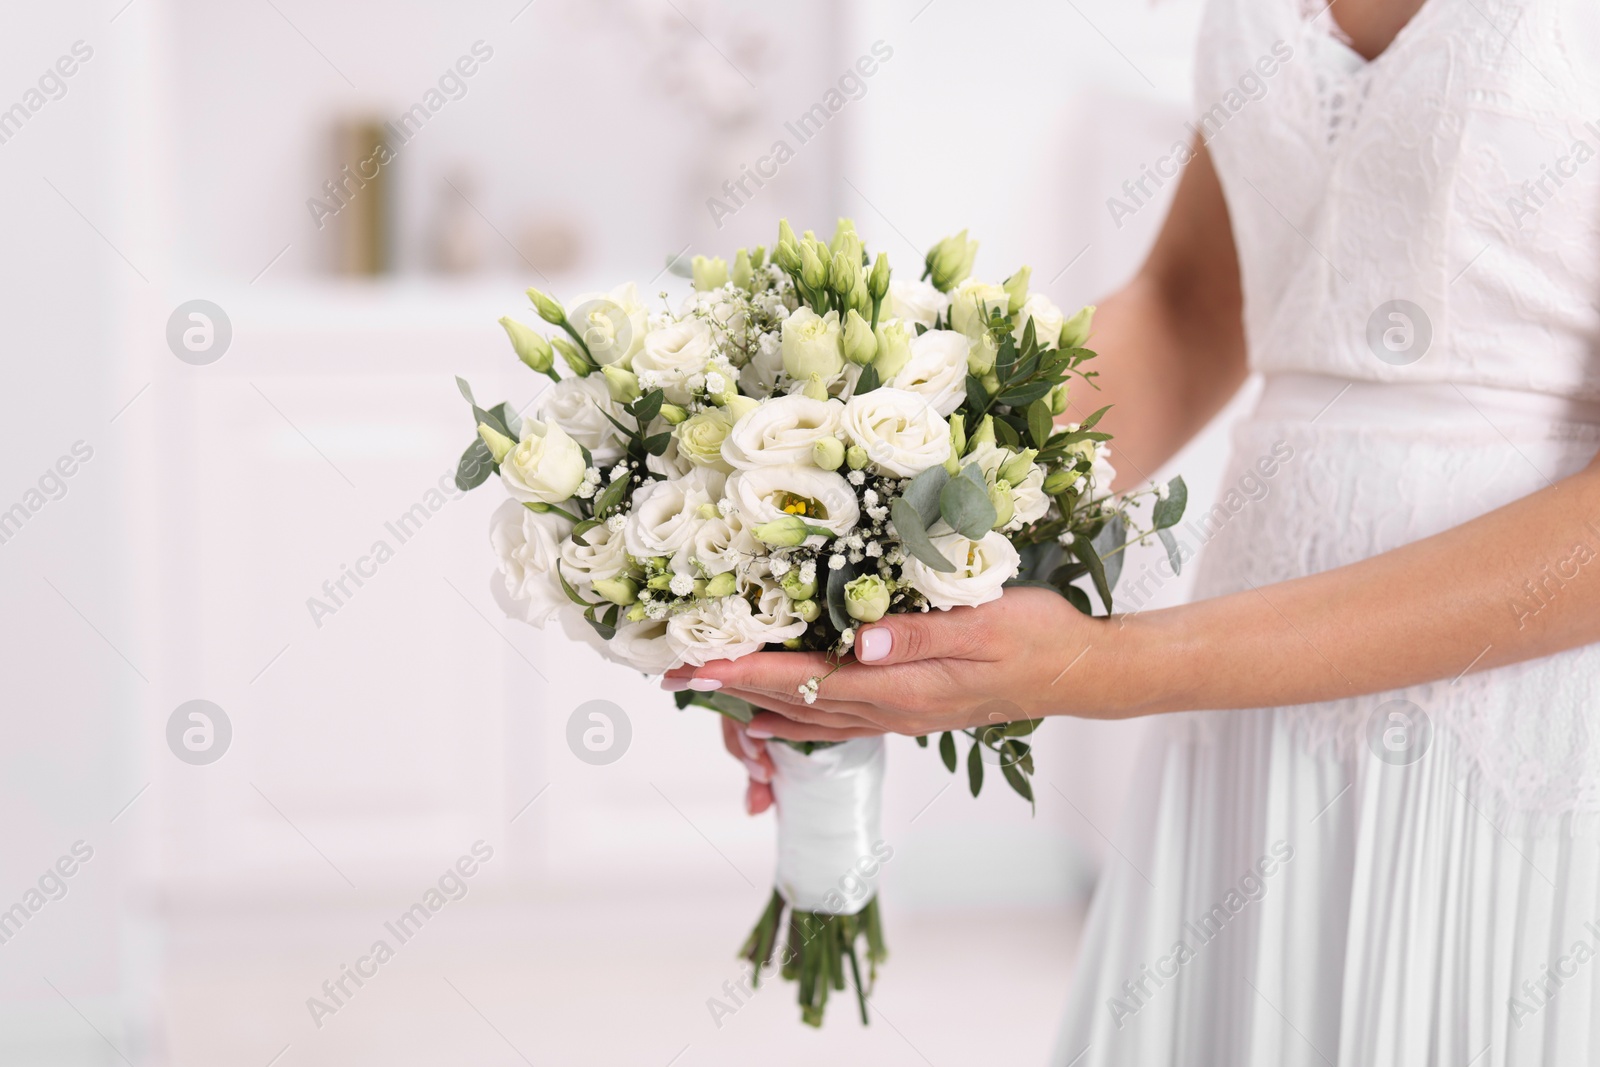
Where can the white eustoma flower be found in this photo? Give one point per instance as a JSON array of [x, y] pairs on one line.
[[781, 431], [603, 556], [982, 568], [1028, 497], [666, 514], [972, 303], [612, 324], [546, 466], [758, 376], [937, 370], [712, 630], [820, 497], [773, 618], [813, 345], [1047, 320], [916, 302], [643, 646], [899, 430], [724, 544], [528, 547], [580, 406], [672, 354], [672, 463]]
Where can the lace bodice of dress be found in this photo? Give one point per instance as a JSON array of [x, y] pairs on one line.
[[1459, 171]]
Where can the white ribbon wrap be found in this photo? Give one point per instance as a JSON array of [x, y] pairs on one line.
[[830, 844]]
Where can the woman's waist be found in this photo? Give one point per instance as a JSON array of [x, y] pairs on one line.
[[1439, 407]]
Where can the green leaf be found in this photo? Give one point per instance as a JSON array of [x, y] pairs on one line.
[[1111, 537], [1078, 599], [606, 630], [1084, 550], [490, 419], [1006, 357], [947, 751], [922, 741], [914, 536], [1040, 421], [657, 445], [582, 528], [923, 493], [509, 419], [964, 504], [1093, 420], [975, 768], [1022, 727], [466, 390], [610, 499], [647, 406], [1005, 433], [1174, 557], [836, 582], [1014, 776], [475, 467], [977, 395], [1023, 395], [868, 380], [1169, 512], [572, 594]]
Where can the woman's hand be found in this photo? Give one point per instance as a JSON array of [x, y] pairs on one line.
[[1024, 656], [757, 764]]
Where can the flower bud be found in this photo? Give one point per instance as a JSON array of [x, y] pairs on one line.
[[722, 584], [623, 385], [742, 272], [550, 309], [787, 256], [1018, 466], [791, 584], [786, 234], [499, 444], [1058, 482], [620, 590], [673, 414], [843, 272], [813, 268], [828, 453], [1005, 505], [635, 614], [1059, 397], [1075, 331], [878, 284], [855, 457], [845, 229], [793, 644], [983, 435], [950, 261], [809, 610], [575, 360], [738, 406], [991, 383], [860, 346], [787, 532], [866, 599], [1016, 288], [894, 348], [707, 511], [710, 273], [758, 257], [661, 581], [531, 348], [981, 354], [814, 388]]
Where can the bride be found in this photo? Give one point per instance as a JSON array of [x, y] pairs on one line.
[[1385, 848]]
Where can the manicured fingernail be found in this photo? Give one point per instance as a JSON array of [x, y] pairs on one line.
[[704, 685], [875, 644], [748, 746], [674, 685], [757, 732], [758, 772]]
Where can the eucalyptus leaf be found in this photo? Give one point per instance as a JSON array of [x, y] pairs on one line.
[[1111, 537], [491, 420], [509, 419], [466, 390], [609, 499], [475, 467], [648, 406], [1169, 512], [868, 381], [837, 579], [964, 504], [923, 493], [1084, 550], [657, 444], [914, 536], [1174, 557]]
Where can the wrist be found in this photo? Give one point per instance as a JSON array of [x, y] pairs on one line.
[[1153, 657]]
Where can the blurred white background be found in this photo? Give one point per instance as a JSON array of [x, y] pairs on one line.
[[373, 747]]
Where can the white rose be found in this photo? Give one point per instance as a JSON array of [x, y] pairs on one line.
[[723, 544], [712, 630], [579, 406], [781, 431], [666, 514], [773, 619], [604, 556], [812, 345], [1047, 320], [982, 568], [643, 646], [1028, 497], [821, 497], [528, 547], [901, 433], [672, 354], [612, 324], [917, 302], [937, 370], [545, 466]]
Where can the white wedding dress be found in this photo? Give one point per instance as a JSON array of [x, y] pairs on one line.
[[1411, 878]]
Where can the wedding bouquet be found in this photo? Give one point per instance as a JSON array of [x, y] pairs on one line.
[[802, 446]]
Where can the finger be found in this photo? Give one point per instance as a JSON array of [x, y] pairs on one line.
[[770, 672], [757, 798], [774, 725], [915, 636], [821, 713], [747, 750]]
